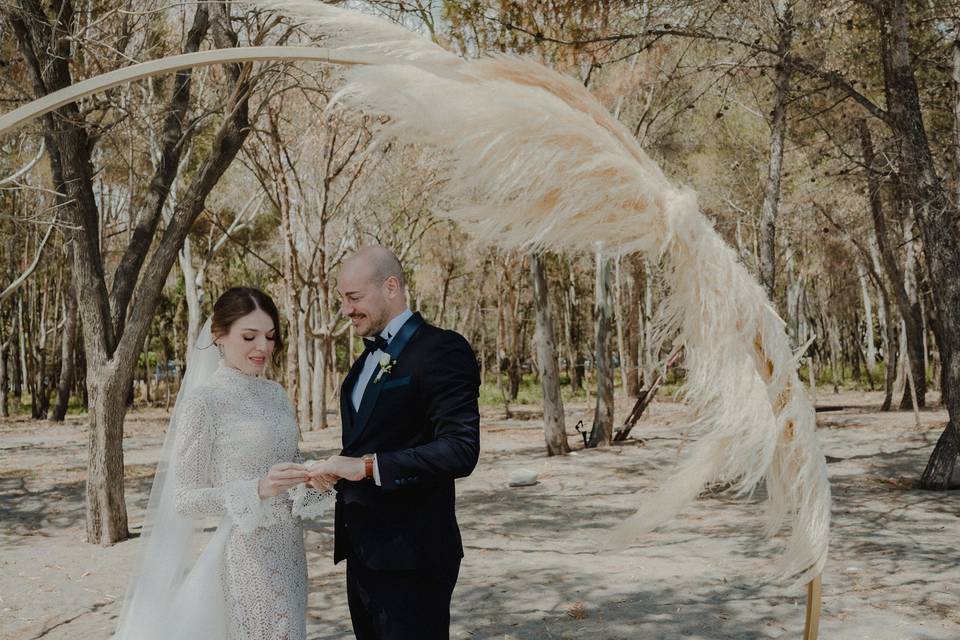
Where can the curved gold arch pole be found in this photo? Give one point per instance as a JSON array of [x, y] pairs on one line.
[[811, 628], [20, 116]]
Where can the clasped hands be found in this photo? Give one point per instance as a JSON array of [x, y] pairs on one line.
[[320, 475]]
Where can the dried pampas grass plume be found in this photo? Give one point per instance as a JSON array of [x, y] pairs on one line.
[[533, 160]]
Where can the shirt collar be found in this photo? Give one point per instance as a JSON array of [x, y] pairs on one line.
[[394, 325]]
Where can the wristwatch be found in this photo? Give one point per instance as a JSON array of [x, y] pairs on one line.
[[368, 466]]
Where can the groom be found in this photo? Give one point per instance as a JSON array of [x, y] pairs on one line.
[[411, 425]]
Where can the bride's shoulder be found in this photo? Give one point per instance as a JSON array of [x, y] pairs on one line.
[[278, 390], [198, 398]]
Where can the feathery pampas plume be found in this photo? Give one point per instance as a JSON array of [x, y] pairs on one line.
[[534, 161]]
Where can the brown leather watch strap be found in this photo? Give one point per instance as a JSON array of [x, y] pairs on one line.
[[368, 466]]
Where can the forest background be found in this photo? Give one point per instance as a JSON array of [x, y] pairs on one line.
[[823, 139]]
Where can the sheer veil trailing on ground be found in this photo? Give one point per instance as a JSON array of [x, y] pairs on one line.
[[533, 161], [176, 592]]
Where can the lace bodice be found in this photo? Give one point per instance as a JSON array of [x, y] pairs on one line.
[[230, 432]]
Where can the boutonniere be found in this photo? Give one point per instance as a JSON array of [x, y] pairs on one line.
[[386, 365]]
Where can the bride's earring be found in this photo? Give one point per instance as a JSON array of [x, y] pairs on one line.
[[220, 349]]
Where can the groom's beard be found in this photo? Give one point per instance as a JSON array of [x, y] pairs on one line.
[[374, 326]]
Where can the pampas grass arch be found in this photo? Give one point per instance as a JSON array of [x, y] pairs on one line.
[[534, 161]]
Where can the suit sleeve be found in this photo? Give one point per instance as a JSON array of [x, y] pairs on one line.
[[450, 388]]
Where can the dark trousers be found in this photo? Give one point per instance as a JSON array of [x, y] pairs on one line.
[[400, 605]]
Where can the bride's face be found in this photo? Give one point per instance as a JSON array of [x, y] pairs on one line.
[[249, 343]]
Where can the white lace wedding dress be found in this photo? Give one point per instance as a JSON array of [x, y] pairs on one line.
[[233, 428]]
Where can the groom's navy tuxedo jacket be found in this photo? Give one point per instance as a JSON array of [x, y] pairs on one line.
[[423, 422]]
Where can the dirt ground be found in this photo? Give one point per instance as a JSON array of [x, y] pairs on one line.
[[531, 569]]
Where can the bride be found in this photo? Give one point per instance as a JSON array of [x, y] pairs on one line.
[[230, 486]]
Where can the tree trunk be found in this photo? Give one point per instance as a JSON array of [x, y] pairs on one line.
[[833, 337], [67, 360], [502, 361], [916, 356], [892, 356], [794, 290], [870, 357], [649, 357], [956, 113], [319, 391], [937, 219], [634, 323], [5, 342], [620, 324], [106, 513], [513, 333], [191, 291], [303, 363], [778, 132], [895, 276], [602, 432], [573, 331], [113, 332], [291, 305], [22, 371], [554, 429]]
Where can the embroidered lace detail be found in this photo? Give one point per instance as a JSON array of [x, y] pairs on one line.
[[309, 503]]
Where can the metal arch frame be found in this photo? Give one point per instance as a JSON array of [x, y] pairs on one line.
[[15, 119]]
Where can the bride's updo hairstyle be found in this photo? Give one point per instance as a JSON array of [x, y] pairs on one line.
[[238, 302]]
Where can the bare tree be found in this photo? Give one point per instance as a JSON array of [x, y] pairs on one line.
[[553, 419], [602, 433], [113, 329]]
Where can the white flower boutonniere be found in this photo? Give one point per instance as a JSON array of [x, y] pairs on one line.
[[386, 364]]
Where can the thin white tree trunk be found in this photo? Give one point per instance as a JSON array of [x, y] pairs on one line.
[[303, 363], [649, 356], [618, 314], [871, 353], [778, 133], [793, 299], [191, 290], [319, 386]]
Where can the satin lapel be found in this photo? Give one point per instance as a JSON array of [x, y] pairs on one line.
[[372, 392], [346, 393]]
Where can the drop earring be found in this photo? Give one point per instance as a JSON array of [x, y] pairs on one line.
[[220, 350]]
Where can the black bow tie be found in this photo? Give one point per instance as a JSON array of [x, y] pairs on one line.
[[372, 344]]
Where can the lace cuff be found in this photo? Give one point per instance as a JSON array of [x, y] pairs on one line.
[[309, 503], [245, 507]]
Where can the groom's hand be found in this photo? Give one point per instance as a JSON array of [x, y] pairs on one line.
[[337, 468]]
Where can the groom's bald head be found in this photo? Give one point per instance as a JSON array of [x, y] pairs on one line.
[[380, 262], [372, 289]]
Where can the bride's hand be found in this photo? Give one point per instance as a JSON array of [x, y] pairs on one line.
[[282, 476]]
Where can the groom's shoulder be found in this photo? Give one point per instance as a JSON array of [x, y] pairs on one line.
[[430, 333], [437, 339]]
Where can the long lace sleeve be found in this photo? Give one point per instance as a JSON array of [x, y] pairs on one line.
[[195, 494]]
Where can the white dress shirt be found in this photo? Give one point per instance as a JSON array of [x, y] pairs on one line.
[[369, 366]]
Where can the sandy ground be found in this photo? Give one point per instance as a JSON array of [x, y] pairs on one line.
[[531, 570]]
